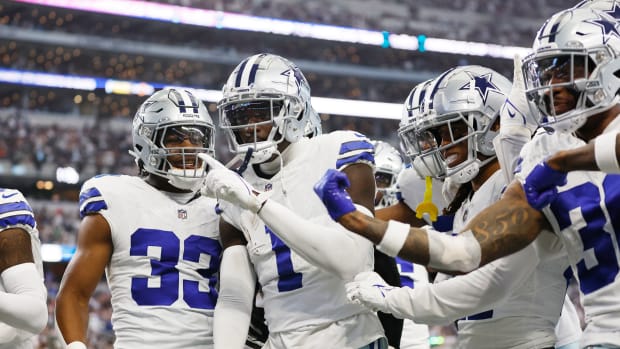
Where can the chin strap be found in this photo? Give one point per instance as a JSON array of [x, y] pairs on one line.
[[246, 161]]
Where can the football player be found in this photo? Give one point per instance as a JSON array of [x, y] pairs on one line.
[[494, 306], [389, 174], [572, 82], [154, 235], [23, 308], [284, 236]]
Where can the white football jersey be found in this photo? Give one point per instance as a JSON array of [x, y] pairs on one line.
[[163, 270], [415, 336], [15, 212], [298, 297], [411, 189], [586, 217]]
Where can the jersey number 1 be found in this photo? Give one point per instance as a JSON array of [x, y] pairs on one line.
[[289, 279]]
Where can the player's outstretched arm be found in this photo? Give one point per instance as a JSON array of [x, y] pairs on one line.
[[601, 155], [320, 245], [94, 250], [448, 300], [501, 229], [23, 304], [231, 320]]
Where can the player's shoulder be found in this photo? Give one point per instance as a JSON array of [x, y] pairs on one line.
[[542, 145], [9, 196], [107, 179], [545, 143], [343, 136], [408, 177], [15, 212], [350, 147], [97, 192]]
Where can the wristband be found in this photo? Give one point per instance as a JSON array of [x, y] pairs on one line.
[[76, 345], [605, 153], [363, 209], [394, 238]]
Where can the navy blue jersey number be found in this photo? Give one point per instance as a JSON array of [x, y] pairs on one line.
[[166, 268], [599, 266], [289, 279]]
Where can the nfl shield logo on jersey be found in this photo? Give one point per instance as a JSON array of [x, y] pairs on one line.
[[182, 214]]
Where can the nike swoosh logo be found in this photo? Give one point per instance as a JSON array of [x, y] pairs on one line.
[[5, 196], [512, 115]]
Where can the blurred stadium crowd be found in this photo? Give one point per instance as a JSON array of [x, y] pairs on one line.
[[43, 129]]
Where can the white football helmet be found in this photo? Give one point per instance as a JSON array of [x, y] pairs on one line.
[[264, 89], [313, 127], [611, 7], [179, 115], [388, 164], [415, 107], [581, 48], [467, 100]]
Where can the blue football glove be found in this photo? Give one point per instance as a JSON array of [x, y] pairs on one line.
[[541, 185], [331, 190]]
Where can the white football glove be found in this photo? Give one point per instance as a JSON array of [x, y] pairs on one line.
[[369, 290], [515, 115], [516, 124], [224, 184]]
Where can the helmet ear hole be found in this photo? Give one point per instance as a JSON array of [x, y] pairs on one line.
[[485, 143]]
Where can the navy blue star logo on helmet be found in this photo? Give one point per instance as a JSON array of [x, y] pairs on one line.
[[296, 74], [608, 27], [614, 12], [482, 84]]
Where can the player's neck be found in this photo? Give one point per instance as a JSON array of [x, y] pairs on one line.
[[161, 183], [596, 124], [484, 174]]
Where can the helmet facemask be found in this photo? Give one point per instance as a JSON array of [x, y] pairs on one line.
[[576, 53], [577, 73], [433, 141], [386, 189], [388, 164], [241, 118], [179, 164], [265, 101], [460, 105], [169, 130]]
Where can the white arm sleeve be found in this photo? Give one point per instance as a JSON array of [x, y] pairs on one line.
[[463, 295], [233, 310], [461, 252], [568, 329], [23, 305], [605, 152], [319, 244], [508, 147]]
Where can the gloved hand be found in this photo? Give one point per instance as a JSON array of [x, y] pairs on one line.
[[331, 190], [224, 184], [541, 184], [515, 118], [369, 290]]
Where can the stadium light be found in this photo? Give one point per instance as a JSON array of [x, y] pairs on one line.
[[235, 21], [334, 106]]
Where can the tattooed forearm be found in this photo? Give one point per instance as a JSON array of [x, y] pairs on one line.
[[505, 227]]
